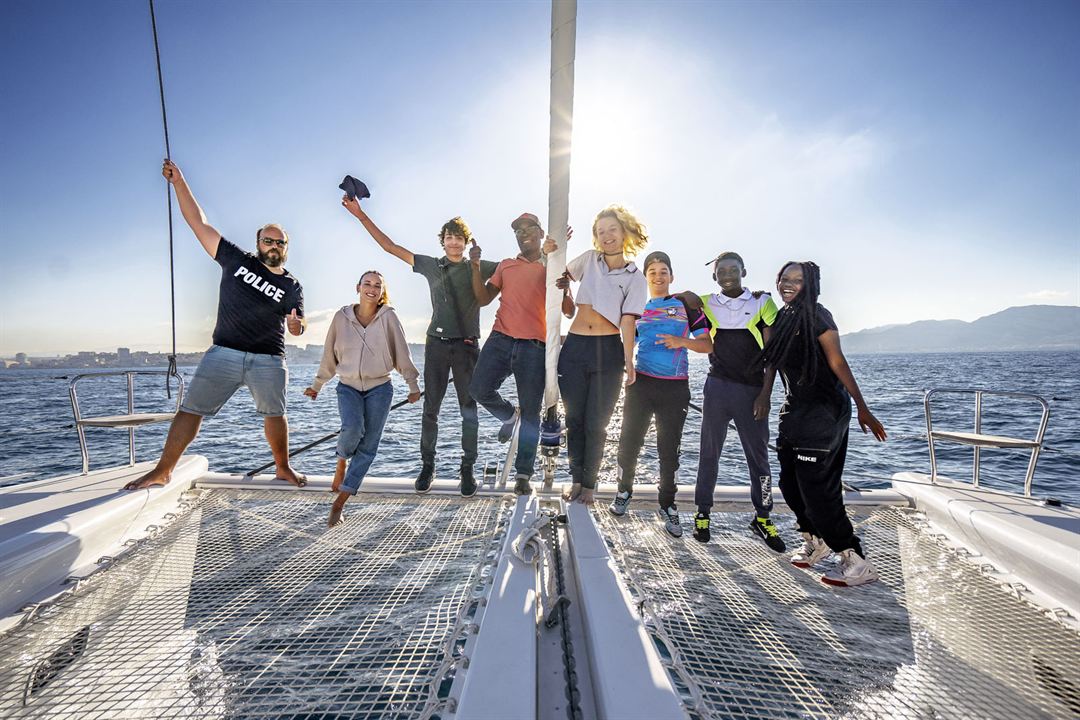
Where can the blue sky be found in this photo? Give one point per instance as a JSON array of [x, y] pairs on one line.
[[926, 155]]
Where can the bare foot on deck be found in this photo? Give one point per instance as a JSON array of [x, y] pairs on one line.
[[289, 475], [335, 512], [339, 475], [585, 497], [154, 478], [572, 494]]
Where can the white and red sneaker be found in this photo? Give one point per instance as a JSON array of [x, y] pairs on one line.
[[850, 571]]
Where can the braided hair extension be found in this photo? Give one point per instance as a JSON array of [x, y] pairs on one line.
[[793, 331]]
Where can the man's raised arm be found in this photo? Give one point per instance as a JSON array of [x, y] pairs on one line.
[[207, 234], [353, 206]]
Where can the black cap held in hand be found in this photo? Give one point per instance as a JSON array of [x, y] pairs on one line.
[[354, 188]]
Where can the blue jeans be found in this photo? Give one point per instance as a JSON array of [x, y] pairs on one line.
[[363, 415], [502, 356]]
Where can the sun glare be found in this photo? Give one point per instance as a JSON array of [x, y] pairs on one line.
[[615, 141]]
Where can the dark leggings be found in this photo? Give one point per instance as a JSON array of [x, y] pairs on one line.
[[590, 377], [812, 448], [668, 400]]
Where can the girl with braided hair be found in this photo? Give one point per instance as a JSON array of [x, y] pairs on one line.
[[813, 434]]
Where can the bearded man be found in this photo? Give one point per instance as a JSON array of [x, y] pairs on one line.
[[257, 299]]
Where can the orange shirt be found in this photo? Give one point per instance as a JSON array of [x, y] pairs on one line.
[[523, 306]]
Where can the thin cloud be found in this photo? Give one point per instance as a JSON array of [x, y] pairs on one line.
[[1051, 296]]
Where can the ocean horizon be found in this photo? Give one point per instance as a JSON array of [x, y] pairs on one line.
[[40, 441]]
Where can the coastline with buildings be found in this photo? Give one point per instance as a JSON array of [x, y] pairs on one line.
[[1031, 328], [125, 358]]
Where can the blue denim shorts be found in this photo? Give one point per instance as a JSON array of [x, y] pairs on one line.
[[223, 371]]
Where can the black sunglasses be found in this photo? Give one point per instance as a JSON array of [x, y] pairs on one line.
[[274, 241]]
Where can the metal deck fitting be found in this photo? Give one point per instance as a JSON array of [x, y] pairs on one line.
[[246, 606], [746, 635]]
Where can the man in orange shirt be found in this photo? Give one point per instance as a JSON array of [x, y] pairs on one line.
[[516, 344]]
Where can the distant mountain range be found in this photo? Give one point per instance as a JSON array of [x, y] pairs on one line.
[[1032, 327]]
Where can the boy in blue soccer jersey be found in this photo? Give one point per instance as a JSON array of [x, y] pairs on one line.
[[665, 330], [737, 390]]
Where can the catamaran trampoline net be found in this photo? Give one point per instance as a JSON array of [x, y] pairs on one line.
[[746, 635], [246, 606]]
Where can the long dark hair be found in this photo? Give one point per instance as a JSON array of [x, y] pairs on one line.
[[793, 331]]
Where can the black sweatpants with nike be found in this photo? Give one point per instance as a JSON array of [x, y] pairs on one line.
[[812, 448]]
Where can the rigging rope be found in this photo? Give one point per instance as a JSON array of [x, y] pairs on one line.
[[172, 372]]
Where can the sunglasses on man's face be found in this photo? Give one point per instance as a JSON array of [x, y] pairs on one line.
[[280, 242], [525, 230]]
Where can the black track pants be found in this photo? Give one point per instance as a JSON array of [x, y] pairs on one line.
[[812, 448], [668, 401]]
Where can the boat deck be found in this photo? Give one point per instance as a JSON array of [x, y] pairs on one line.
[[746, 635], [245, 606]]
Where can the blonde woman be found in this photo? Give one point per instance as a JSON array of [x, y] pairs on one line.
[[365, 342], [600, 344]]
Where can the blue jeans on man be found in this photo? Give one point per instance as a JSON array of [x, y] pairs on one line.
[[501, 357], [363, 416]]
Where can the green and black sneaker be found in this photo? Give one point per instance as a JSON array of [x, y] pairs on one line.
[[764, 528], [701, 527]]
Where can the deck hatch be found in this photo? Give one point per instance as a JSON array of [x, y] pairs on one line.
[[46, 670]]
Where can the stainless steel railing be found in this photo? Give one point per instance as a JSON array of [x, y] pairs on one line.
[[978, 440], [130, 420]]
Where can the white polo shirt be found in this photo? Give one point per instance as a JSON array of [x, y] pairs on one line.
[[612, 293]]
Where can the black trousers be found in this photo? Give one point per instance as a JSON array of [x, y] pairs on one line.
[[441, 357], [812, 448], [667, 401], [590, 377]]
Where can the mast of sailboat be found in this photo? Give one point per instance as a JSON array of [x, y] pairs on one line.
[[563, 41]]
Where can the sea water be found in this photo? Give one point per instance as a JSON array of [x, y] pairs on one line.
[[39, 441]]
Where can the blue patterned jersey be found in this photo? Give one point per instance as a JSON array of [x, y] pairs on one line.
[[666, 316]]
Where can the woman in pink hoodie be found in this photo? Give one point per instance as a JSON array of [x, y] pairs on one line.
[[364, 343]]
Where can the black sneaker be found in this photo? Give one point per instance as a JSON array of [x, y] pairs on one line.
[[763, 527], [468, 482], [423, 480], [701, 528], [522, 485]]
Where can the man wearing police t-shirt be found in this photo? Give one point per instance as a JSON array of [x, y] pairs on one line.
[[257, 300]]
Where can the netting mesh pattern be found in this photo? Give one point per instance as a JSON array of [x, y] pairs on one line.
[[246, 606], [746, 635]]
